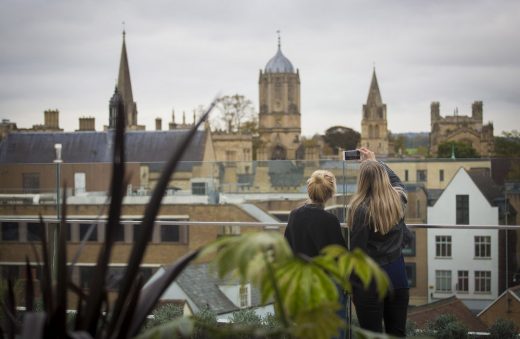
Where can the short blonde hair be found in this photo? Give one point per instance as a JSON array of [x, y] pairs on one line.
[[321, 186]]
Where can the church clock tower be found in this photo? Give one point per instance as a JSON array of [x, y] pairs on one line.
[[374, 130], [279, 117]]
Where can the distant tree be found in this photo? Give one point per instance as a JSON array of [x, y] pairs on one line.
[[399, 141], [508, 145], [503, 329], [341, 137], [461, 149], [234, 111], [446, 326]]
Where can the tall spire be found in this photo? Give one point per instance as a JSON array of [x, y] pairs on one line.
[[374, 96], [124, 86], [279, 39]]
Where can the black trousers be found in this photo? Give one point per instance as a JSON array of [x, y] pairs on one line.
[[392, 309]]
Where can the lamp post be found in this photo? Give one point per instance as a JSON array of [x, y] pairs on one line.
[[58, 161]]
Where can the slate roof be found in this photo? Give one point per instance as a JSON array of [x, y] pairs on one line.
[[421, 315], [486, 185], [433, 195], [96, 147], [201, 285]]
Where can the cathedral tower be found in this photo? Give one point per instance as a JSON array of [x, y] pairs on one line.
[[124, 87], [374, 130], [279, 118]]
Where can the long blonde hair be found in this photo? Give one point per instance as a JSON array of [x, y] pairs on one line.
[[321, 186], [381, 200]]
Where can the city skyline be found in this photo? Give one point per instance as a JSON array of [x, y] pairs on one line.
[[66, 56]]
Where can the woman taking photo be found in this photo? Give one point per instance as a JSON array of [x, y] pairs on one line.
[[376, 221]]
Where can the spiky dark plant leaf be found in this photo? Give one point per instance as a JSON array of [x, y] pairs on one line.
[[29, 287], [97, 284], [46, 283], [152, 209]]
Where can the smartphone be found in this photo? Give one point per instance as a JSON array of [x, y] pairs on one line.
[[351, 155]]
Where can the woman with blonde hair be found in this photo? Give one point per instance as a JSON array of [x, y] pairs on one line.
[[376, 221], [310, 228]]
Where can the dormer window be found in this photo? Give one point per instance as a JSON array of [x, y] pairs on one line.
[[244, 296]]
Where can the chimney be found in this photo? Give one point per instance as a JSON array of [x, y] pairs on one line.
[[51, 119], [87, 124], [435, 111], [158, 124]]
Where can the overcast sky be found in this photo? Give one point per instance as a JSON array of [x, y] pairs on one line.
[[65, 55]]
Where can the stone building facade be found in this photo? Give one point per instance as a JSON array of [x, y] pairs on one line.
[[374, 129], [467, 129]]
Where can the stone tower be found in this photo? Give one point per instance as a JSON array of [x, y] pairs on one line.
[[124, 87], [374, 130], [279, 117]]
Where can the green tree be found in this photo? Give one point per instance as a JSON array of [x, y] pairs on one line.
[[460, 148], [234, 111], [508, 145], [341, 137], [503, 329], [446, 326]]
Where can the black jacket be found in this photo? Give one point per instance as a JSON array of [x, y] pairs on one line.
[[310, 228], [385, 248]]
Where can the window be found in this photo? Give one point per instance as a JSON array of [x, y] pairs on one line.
[[417, 209], [409, 249], [34, 231], [462, 281], [170, 233], [83, 232], [10, 231], [421, 175], [244, 296], [442, 281], [10, 272], [441, 175], [443, 246], [198, 188], [411, 274], [482, 247], [462, 209], [405, 175], [85, 273], [31, 182], [483, 281], [231, 155]]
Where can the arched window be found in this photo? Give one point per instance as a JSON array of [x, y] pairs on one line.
[[279, 153]]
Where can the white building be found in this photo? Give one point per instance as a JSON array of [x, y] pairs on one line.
[[463, 262]]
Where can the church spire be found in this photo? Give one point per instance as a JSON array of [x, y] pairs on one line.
[[124, 86], [374, 96]]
